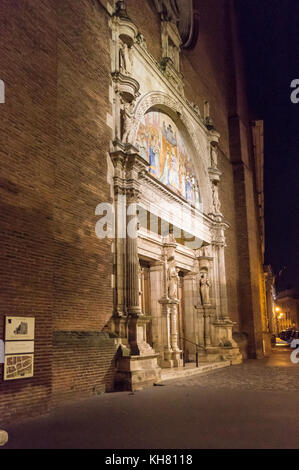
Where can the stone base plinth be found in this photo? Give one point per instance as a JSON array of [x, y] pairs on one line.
[[223, 353], [171, 359], [177, 359], [137, 372]]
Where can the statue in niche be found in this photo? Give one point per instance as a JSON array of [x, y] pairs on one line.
[[127, 120], [172, 279], [216, 201], [204, 288], [214, 157], [125, 59]]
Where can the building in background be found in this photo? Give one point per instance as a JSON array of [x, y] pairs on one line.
[[287, 309], [110, 105]]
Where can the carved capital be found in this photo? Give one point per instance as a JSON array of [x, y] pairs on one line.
[[133, 194], [218, 235]]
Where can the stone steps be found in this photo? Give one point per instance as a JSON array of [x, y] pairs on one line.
[[191, 369]]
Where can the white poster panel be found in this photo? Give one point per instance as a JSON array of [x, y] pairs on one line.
[[19, 347], [19, 328]]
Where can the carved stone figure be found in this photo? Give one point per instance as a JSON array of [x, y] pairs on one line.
[[172, 279], [141, 40], [127, 121], [214, 157], [204, 288], [216, 201], [125, 59]]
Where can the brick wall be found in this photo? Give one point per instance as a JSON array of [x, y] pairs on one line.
[[84, 364], [56, 67], [54, 142], [28, 138]]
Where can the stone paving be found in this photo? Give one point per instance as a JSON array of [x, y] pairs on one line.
[[253, 405], [274, 373]]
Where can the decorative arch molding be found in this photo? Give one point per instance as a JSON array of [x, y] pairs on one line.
[[158, 100]]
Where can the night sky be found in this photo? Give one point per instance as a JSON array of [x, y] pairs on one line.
[[270, 37]]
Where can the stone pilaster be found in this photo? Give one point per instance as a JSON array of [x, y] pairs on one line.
[[137, 364], [169, 304], [133, 304], [192, 327], [118, 158], [222, 343]]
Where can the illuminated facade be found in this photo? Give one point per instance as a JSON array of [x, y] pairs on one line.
[[171, 296], [132, 195]]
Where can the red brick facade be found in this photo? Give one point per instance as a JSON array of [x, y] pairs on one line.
[[54, 146]]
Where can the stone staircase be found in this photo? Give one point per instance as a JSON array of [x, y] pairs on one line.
[[190, 369]]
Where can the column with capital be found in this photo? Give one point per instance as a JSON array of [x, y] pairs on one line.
[[139, 366], [136, 320], [222, 326], [169, 302], [119, 319]]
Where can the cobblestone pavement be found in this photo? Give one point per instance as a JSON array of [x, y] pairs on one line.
[[275, 373], [253, 405]]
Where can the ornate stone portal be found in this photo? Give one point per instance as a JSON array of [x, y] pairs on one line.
[[167, 215]]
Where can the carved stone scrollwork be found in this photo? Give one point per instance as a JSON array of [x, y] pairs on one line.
[[133, 194], [218, 237]]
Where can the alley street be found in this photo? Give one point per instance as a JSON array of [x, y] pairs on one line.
[[252, 405]]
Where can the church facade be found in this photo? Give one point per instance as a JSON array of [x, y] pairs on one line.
[[132, 198]]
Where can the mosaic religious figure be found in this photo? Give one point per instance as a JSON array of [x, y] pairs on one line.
[[161, 144]]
